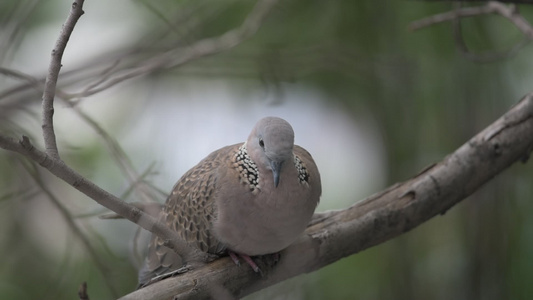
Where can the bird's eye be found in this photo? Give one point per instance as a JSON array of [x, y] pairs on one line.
[[261, 143]]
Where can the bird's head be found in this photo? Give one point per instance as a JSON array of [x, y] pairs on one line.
[[270, 144]]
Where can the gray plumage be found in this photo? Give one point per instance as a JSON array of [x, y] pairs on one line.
[[252, 198]]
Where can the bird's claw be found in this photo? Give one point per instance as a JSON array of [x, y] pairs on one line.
[[235, 257]]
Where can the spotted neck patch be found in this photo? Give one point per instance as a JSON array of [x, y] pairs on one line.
[[248, 171], [303, 174]]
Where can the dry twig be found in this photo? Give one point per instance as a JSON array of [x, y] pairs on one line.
[[509, 12], [51, 79], [493, 7], [82, 291]]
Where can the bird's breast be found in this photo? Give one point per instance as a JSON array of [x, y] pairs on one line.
[[265, 221]]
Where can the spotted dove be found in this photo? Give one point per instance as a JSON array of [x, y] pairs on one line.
[[247, 199]]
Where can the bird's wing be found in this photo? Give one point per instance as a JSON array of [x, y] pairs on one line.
[[189, 210]]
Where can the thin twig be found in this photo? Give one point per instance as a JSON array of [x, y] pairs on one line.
[[487, 56], [509, 12], [34, 82], [118, 153], [51, 79], [122, 160], [82, 291], [493, 7], [12, 27], [202, 48], [65, 213], [451, 15], [104, 198]]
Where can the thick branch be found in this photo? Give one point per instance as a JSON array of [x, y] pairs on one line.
[[51, 80], [337, 234]]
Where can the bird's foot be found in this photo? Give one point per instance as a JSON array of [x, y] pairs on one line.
[[268, 260], [235, 257]]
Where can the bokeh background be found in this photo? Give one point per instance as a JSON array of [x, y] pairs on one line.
[[371, 100]]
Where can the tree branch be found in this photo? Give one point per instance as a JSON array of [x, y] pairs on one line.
[[51, 161], [381, 217], [177, 57], [493, 7], [104, 198], [509, 12], [82, 291], [51, 80]]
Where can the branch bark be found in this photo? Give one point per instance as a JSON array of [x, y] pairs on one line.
[[51, 79], [104, 198], [381, 217]]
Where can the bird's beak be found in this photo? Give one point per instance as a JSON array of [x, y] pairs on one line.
[[276, 169]]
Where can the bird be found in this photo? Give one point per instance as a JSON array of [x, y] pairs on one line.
[[248, 199]]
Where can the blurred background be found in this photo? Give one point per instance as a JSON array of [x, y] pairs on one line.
[[371, 100]]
